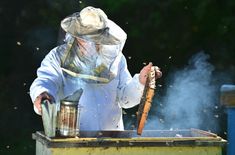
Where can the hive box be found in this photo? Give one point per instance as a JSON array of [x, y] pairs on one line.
[[151, 142]]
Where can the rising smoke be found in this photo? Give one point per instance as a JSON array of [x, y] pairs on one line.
[[190, 98]]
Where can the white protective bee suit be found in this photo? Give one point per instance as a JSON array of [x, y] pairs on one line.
[[101, 103]]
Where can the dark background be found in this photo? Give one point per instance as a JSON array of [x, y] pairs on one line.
[[165, 32]]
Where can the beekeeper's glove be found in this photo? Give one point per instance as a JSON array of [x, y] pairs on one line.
[[144, 73], [43, 96]]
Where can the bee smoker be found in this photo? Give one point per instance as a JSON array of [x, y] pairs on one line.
[[49, 117], [68, 119]]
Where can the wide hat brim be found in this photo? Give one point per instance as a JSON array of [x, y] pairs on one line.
[[110, 34]]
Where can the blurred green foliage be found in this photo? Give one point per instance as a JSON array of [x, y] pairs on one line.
[[166, 32]]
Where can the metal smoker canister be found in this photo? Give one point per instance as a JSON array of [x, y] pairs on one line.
[[68, 122]]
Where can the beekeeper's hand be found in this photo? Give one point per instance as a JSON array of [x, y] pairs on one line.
[[144, 73], [43, 96]]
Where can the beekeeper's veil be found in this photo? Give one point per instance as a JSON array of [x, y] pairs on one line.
[[93, 45]]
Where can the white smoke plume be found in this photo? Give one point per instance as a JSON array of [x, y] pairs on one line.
[[189, 100]]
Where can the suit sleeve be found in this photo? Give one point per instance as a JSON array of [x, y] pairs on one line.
[[49, 77], [130, 90]]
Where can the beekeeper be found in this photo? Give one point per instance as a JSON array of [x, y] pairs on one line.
[[92, 60]]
